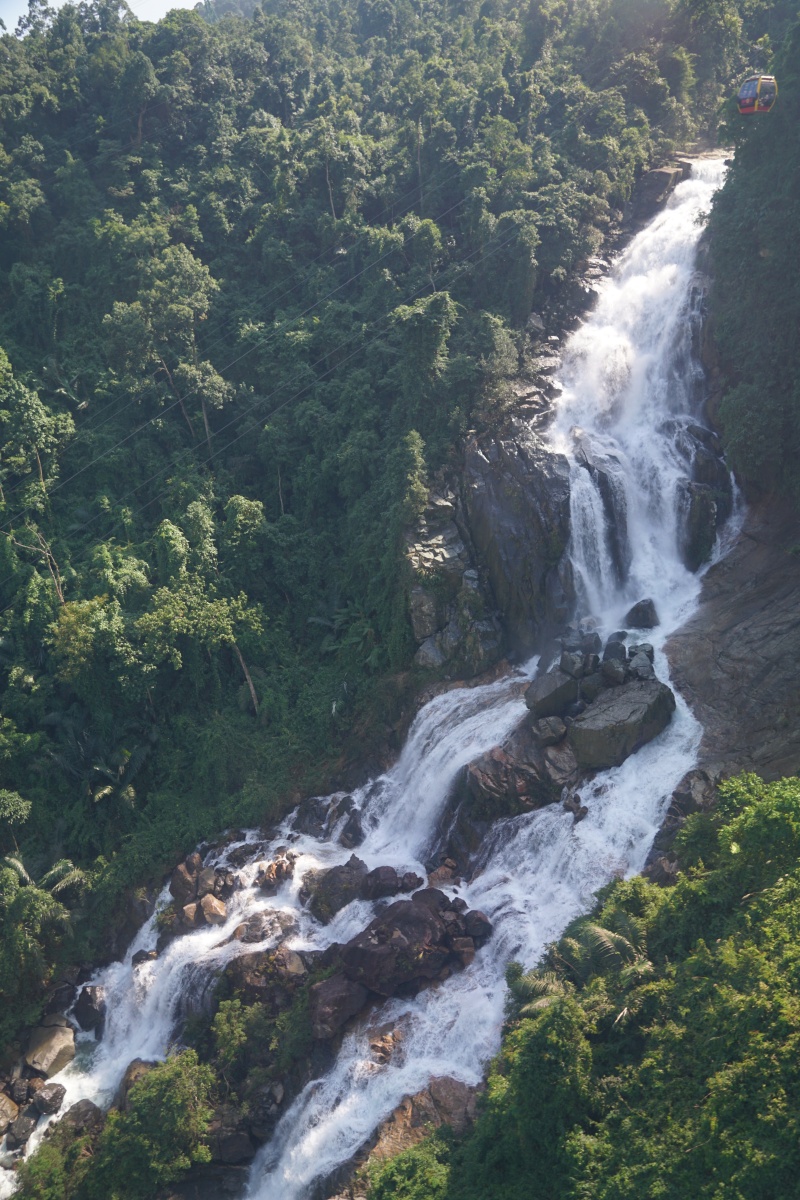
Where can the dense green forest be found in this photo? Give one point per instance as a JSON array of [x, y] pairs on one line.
[[257, 277], [261, 267], [755, 243], [654, 1053]]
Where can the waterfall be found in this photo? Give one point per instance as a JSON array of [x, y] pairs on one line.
[[630, 393]]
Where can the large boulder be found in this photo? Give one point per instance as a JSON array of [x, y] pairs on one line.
[[333, 1002], [83, 1117], [551, 694], [642, 615], [183, 883], [135, 1070], [9, 1111], [49, 1098], [90, 1008], [22, 1127], [516, 492], [406, 943], [50, 1049], [214, 910], [328, 890], [619, 722], [228, 1136]]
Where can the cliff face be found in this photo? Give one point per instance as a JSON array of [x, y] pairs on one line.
[[735, 661]]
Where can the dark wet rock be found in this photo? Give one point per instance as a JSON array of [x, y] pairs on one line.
[[311, 816], [615, 650], [270, 876], [575, 805], [22, 1127], [20, 1091], [229, 1137], [549, 695], [575, 710], [516, 493], [263, 925], [572, 663], [592, 685], [135, 1070], [643, 615], [591, 643], [640, 667], [699, 525], [662, 870], [90, 1009], [608, 475], [613, 672], [735, 661], [268, 977], [433, 898], [477, 925], [591, 664], [549, 730], [652, 190], [383, 881], [83, 1117], [143, 956], [333, 1002], [183, 884], [216, 1181], [49, 1098], [509, 779], [352, 834], [410, 882], [642, 648], [328, 890], [619, 722], [408, 945]]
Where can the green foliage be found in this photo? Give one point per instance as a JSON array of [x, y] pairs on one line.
[[755, 239], [260, 271], [655, 1051], [159, 1137]]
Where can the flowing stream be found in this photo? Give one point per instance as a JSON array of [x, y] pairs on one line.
[[631, 386]]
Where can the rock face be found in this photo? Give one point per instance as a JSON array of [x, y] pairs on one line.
[[735, 661], [48, 1099], [50, 1049], [517, 501], [444, 1101], [90, 1009], [333, 1002], [328, 891], [453, 620], [619, 722], [550, 694], [642, 616], [607, 473]]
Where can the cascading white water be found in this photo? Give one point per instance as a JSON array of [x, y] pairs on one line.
[[626, 371]]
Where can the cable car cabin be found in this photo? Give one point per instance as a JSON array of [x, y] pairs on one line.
[[757, 94]]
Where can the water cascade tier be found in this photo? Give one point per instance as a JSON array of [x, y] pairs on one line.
[[644, 504]]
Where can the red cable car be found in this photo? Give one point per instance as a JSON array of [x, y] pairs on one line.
[[757, 94]]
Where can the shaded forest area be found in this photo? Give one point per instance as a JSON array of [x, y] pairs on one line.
[[257, 276]]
